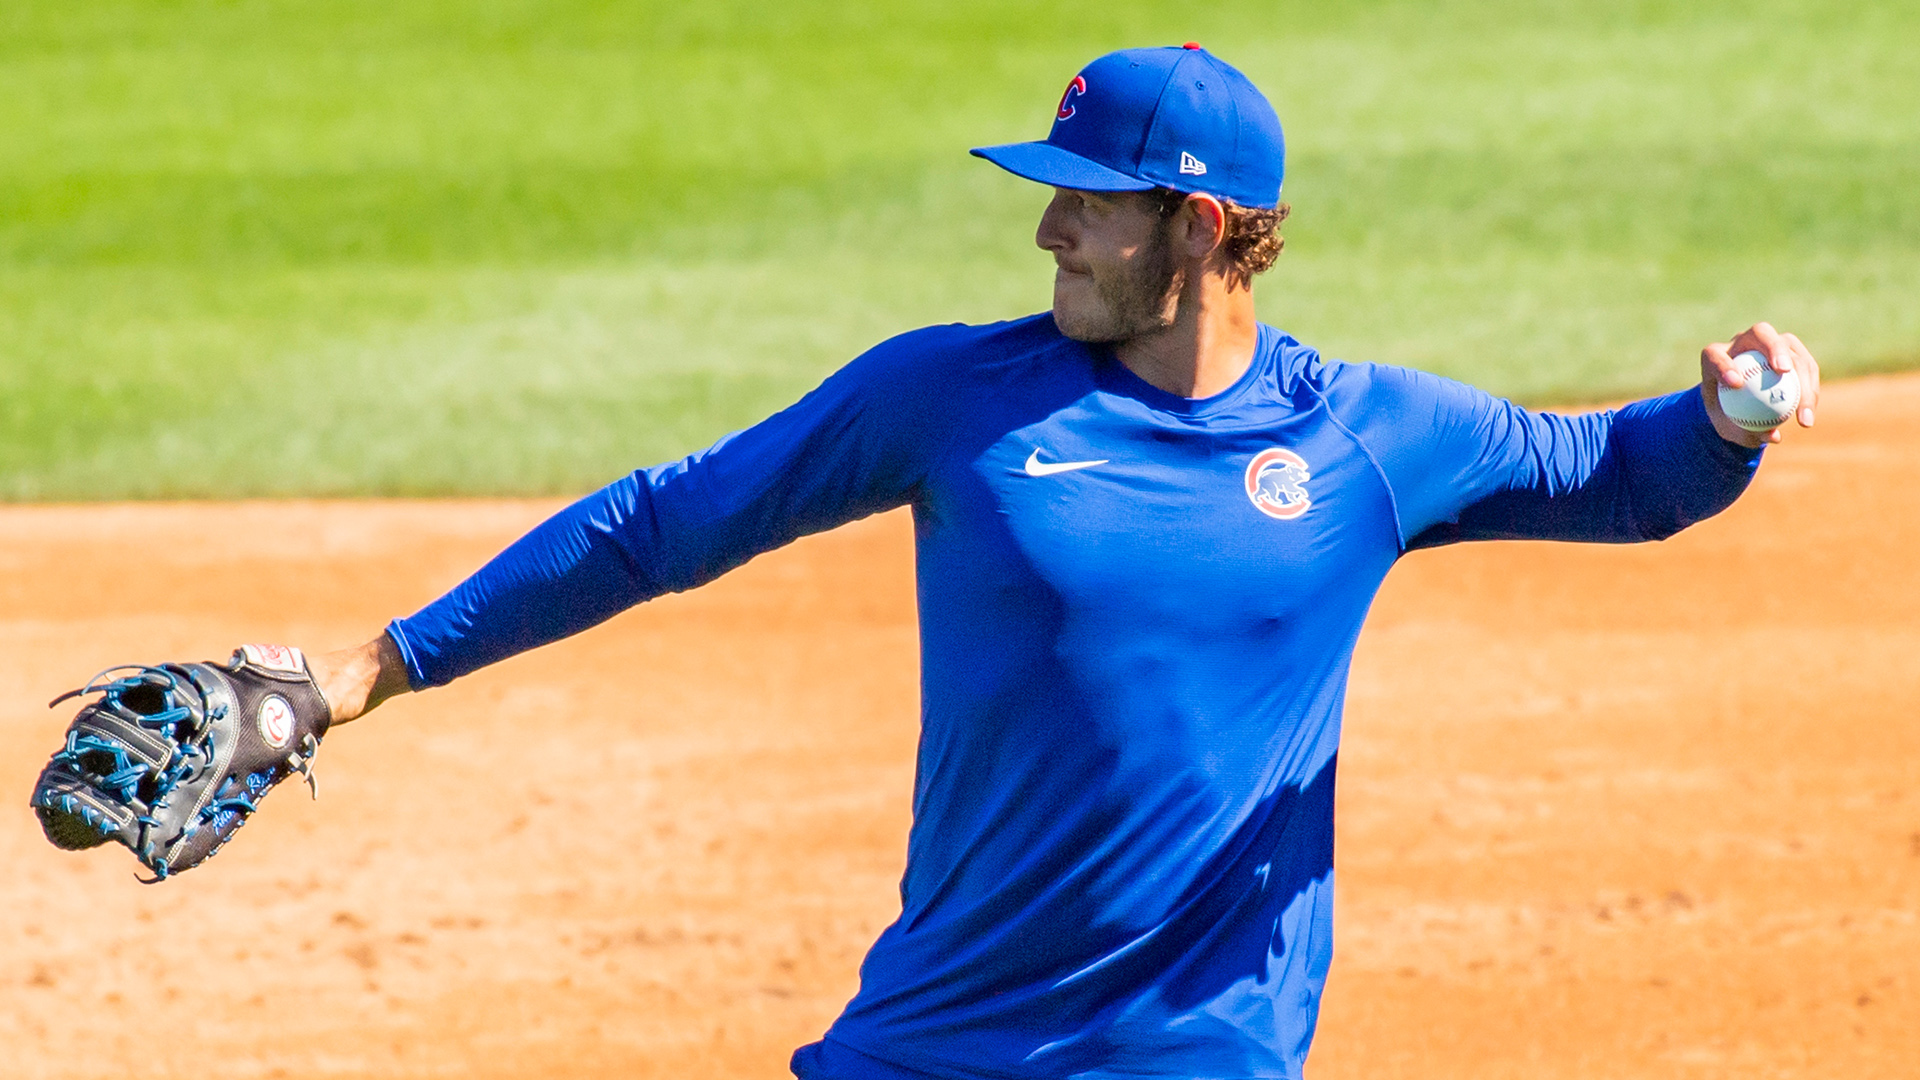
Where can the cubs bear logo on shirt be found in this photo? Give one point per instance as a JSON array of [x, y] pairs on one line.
[[1277, 483]]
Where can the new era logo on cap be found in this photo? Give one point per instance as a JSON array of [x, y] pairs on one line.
[[1158, 118]]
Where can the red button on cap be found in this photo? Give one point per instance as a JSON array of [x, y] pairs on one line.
[[1191, 45]]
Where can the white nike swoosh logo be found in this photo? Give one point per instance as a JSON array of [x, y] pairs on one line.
[[1036, 467]]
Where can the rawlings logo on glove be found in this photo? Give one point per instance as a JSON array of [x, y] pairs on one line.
[[170, 760]]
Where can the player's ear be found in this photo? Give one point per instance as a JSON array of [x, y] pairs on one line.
[[1206, 225]]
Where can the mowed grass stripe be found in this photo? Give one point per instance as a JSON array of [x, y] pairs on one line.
[[420, 248]]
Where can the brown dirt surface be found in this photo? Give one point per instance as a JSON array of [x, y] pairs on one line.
[[1635, 812]]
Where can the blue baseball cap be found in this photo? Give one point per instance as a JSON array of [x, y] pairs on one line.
[[1177, 118]]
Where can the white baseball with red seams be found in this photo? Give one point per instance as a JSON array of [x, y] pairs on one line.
[[1767, 398]]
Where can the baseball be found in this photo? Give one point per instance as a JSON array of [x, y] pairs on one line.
[[1767, 398]]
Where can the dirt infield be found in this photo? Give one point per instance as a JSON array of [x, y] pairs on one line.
[[1634, 812]]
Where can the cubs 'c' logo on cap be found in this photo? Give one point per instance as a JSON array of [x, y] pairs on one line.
[[1277, 483], [1075, 88]]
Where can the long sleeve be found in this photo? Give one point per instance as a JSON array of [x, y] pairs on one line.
[[855, 446], [1464, 465]]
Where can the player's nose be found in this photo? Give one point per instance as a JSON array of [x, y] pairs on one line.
[[1053, 234]]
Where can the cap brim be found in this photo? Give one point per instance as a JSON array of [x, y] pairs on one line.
[[1046, 163]]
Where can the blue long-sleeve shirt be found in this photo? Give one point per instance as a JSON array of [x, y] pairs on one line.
[[1137, 613]]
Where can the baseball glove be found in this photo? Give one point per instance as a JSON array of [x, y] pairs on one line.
[[170, 760]]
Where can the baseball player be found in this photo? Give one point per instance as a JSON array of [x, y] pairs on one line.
[[1148, 528]]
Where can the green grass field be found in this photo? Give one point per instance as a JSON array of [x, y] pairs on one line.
[[264, 247]]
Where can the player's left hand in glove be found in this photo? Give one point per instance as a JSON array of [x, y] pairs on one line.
[[170, 760]]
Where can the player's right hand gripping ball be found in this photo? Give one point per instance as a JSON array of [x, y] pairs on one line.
[[170, 760], [1766, 398]]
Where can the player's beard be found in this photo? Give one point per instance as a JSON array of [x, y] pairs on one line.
[[1142, 298]]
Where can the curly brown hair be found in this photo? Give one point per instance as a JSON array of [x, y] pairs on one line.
[[1253, 235]]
